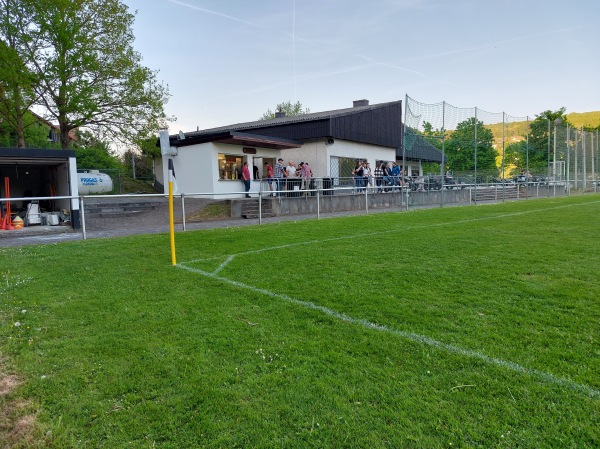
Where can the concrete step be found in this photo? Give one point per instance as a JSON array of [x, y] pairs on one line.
[[250, 209], [255, 215], [111, 209], [495, 194]]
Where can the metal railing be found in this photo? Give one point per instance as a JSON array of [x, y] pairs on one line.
[[149, 212]]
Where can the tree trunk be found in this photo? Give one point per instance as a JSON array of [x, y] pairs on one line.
[[20, 132], [64, 137], [18, 115]]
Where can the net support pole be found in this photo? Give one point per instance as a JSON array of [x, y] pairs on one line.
[[568, 168], [583, 161], [443, 164], [475, 156], [593, 178], [503, 140], [527, 149]]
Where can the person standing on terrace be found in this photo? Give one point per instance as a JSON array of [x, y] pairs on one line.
[[279, 173], [246, 178], [395, 174], [306, 175], [379, 177], [270, 175]]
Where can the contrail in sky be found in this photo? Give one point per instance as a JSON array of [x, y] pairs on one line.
[[208, 11], [485, 46], [370, 61]]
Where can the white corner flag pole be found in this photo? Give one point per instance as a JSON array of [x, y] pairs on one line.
[[171, 220]]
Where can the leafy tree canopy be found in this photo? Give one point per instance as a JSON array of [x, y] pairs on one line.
[[17, 80], [433, 136], [533, 152], [288, 108], [460, 147], [35, 133], [93, 153], [89, 76]]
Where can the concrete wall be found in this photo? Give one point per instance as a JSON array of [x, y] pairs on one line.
[[349, 202]]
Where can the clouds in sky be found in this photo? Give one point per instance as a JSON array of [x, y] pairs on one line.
[[229, 61]]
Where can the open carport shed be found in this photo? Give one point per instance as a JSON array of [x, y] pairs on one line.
[[38, 173]]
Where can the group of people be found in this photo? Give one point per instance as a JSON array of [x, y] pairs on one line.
[[387, 176], [294, 178], [282, 177]]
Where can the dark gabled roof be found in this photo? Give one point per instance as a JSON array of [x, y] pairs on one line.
[[378, 124], [247, 139], [420, 149], [235, 138]]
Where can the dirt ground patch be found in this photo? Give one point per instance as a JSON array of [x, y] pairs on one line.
[[8, 383], [18, 426]]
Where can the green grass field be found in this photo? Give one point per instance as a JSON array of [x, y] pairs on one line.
[[457, 327]]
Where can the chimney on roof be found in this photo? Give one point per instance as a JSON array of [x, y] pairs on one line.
[[358, 103], [279, 114]]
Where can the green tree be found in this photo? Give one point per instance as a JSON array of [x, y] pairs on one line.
[[17, 82], [139, 166], [460, 148], [147, 146], [93, 153], [35, 133], [516, 154], [288, 108], [90, 76], [533, 153], [433, 136]]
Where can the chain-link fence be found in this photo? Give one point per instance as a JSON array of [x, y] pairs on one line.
[[481, 147], [113, 215]]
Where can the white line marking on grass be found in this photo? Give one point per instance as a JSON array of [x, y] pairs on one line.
[[224, 264], [546, 377]]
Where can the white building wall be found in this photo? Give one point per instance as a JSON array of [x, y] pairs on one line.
[[314, 153], [191, 170], [318, 154], [353, 150], [157, 164], [197, 170]]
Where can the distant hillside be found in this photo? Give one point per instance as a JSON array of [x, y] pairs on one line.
[[579, 119], [515, 131]]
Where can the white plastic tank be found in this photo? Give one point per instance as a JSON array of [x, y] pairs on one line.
[[93, 182]]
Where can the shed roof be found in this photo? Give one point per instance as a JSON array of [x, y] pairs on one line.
[[34, 155]]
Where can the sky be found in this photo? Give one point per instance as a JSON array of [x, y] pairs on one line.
[[229, 61]]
